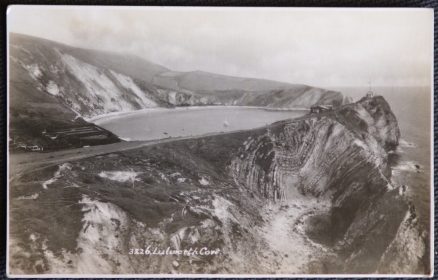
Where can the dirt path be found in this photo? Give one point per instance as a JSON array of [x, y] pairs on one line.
[[21, 162]]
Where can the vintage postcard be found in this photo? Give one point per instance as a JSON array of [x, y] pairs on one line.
[[219, 142]]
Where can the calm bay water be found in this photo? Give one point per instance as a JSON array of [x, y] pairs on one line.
[[191, 121]]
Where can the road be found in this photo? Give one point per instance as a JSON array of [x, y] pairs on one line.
[[21, 162]]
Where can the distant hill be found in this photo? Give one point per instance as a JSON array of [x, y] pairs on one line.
[[62, 84]]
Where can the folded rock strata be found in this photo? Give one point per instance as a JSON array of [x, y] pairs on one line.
[[341, 158]]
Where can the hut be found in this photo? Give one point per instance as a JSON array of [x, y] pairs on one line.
[[369, 94], [320, 108]]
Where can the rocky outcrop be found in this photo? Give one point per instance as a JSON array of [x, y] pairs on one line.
[[340, 157]]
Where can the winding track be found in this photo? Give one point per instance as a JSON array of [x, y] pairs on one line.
[[21, 162]]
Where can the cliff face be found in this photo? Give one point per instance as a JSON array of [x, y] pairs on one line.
[[340, 157], [75, 79], [311, 152]]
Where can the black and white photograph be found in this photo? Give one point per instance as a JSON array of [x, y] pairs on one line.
[[219, 141]]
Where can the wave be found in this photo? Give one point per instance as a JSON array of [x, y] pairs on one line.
[[405, 144], [409, 166]]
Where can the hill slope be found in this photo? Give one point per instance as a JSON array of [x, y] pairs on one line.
[[96, 82], [53, 85]]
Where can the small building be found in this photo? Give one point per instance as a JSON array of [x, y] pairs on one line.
[[320, 108], [34, 148]]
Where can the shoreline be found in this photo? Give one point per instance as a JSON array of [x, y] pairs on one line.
[[110, 116]]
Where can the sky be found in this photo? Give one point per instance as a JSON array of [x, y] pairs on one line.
[[318, 47]]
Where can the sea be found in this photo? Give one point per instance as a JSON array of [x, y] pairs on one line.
[[412, 163]]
